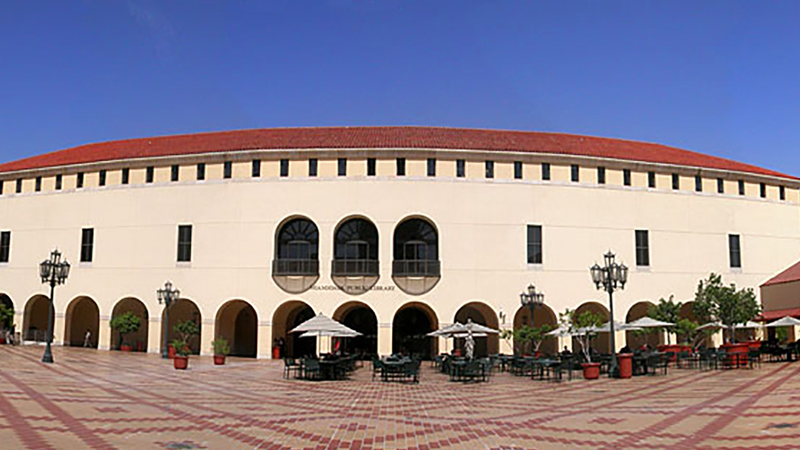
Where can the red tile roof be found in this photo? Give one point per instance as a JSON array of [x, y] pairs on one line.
[[381, 138], [787, 276], [769, 316]]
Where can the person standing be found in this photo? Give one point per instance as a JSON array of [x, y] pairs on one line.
[[87, 338]]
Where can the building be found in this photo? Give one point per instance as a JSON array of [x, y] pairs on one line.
[[395, 231], [780, 297]]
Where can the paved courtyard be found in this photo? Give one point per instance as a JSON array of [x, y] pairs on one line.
[[106, 400]]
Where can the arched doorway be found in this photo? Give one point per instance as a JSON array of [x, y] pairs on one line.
[[288, 316], [360, 317], [34, 320], [181, 311], [82, 323], [653, 337], [237, 322], [601, 342], [137, 340], [483, 314], [5, 300], [542, 315], [410, 327]]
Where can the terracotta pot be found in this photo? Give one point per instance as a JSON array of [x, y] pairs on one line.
[[219, 360], [181, 362], [2, 340], [126, 348], [591, 371], [171, 351]]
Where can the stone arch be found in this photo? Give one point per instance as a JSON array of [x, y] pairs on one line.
[[82, 317], [653, 337], [356, 255], [289, 315], [601, 343], [181, 311], [411, 323], [416, 268], [137, 340], [542, 315], [360, 317], [6, 300], [34, 319], [295, 266], [237, 322], [483, 314]]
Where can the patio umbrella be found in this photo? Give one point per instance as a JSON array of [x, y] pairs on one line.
[[460, 328], [649, 322], [320, 324], [339, 334], [618, 326], [710, 325], [787, 321], [561, 331], [749, 324]]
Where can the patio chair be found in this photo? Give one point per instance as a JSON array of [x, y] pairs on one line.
[[753, 358], [311, 369], [377, 367], [411, 371], [291, 365]]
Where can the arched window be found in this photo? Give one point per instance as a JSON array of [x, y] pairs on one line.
[[416, 249], [355, 251], [297, 249]]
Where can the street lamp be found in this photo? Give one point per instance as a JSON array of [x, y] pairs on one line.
[[166, 296], [531, 299], [610, 277], [52, 271]]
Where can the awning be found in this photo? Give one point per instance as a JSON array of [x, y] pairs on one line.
[[779, 313]]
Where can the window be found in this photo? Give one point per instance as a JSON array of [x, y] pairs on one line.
[[80, 180], [461, 169], [642, 248], [175, 173], [1, 187], [38, 184], [312, 167], [720, 186], [763, 190], [431, 167], [184, 243], [5, 246], [342, 167], [255, 168], [575, 173], [698, 183], [150, 175], [227, 170], [201, 171], [735, 250], [87, 244], [535, 244], [676, 181], [601, 175], [284, 168], [489, 169], [59, 182], [517, 170], [741, 187], [371, 167], [651, 180], [102, 178], [545, 171], [781, 192], [401, 167], [126, 176], [626, 177], [19, 185]]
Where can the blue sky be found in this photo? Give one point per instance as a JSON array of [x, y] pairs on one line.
[[719, 77]]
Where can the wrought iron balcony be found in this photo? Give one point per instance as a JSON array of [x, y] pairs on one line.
[[295, 267], [416, 268], [355, 268]]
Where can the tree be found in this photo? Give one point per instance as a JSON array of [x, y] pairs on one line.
[[666, 311], [125, 323], [583, 326], [532, 337], [714, 301], [6, 316], [187, 330]]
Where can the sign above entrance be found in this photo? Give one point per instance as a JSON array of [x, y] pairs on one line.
[[352, 288]]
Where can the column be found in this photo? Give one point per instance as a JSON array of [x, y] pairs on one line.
[[384, 339], [206, 336], [620, 340], [59, 325], [104, 334], [566, 341], [154, 338], [265, 340]]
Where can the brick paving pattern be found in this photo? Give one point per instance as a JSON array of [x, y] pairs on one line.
[[109, 400]]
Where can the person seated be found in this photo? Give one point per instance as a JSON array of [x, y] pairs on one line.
[[566, 351]]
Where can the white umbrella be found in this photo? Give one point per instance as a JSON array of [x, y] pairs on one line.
[[561, 331], [787, 321], [648, 322], [618, 326], [710, 325], [329, 333], [460, 328], [464, 335], [320, 324], [749, 324]]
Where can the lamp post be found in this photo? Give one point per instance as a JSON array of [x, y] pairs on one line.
[[531, 299], [52, 271], [610, 277], [166, 296]]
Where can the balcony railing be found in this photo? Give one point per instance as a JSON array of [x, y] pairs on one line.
[[416, 268], [355, 267], [295, 267]]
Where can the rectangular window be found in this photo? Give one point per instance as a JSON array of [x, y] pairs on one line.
[[5, 246], [642, 248], [698, 183], [184, 243], [720, 186], [19, 185], [735, 250], [102, 178], [601, 175], [535, 244], [80, 180], [545, 171], [781, 192], [651, 180], [763, 190], [59, 182], [175, 173], [741, 187], [431, 167], [342, 163], [227, 170], [87, 244], [255, 168], [39, 184], [676, 181], [150, 175], [575, 173], [461, 169], [312, 167], [284, 168], [401, 167], [201, 171], [371, 167], [489, 169], [626, 177], [517, 170]]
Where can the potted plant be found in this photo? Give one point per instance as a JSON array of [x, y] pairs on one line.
[[221, 349], [186, 330], [124, 324], [532, 337], [584, 327], [181, 360]]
